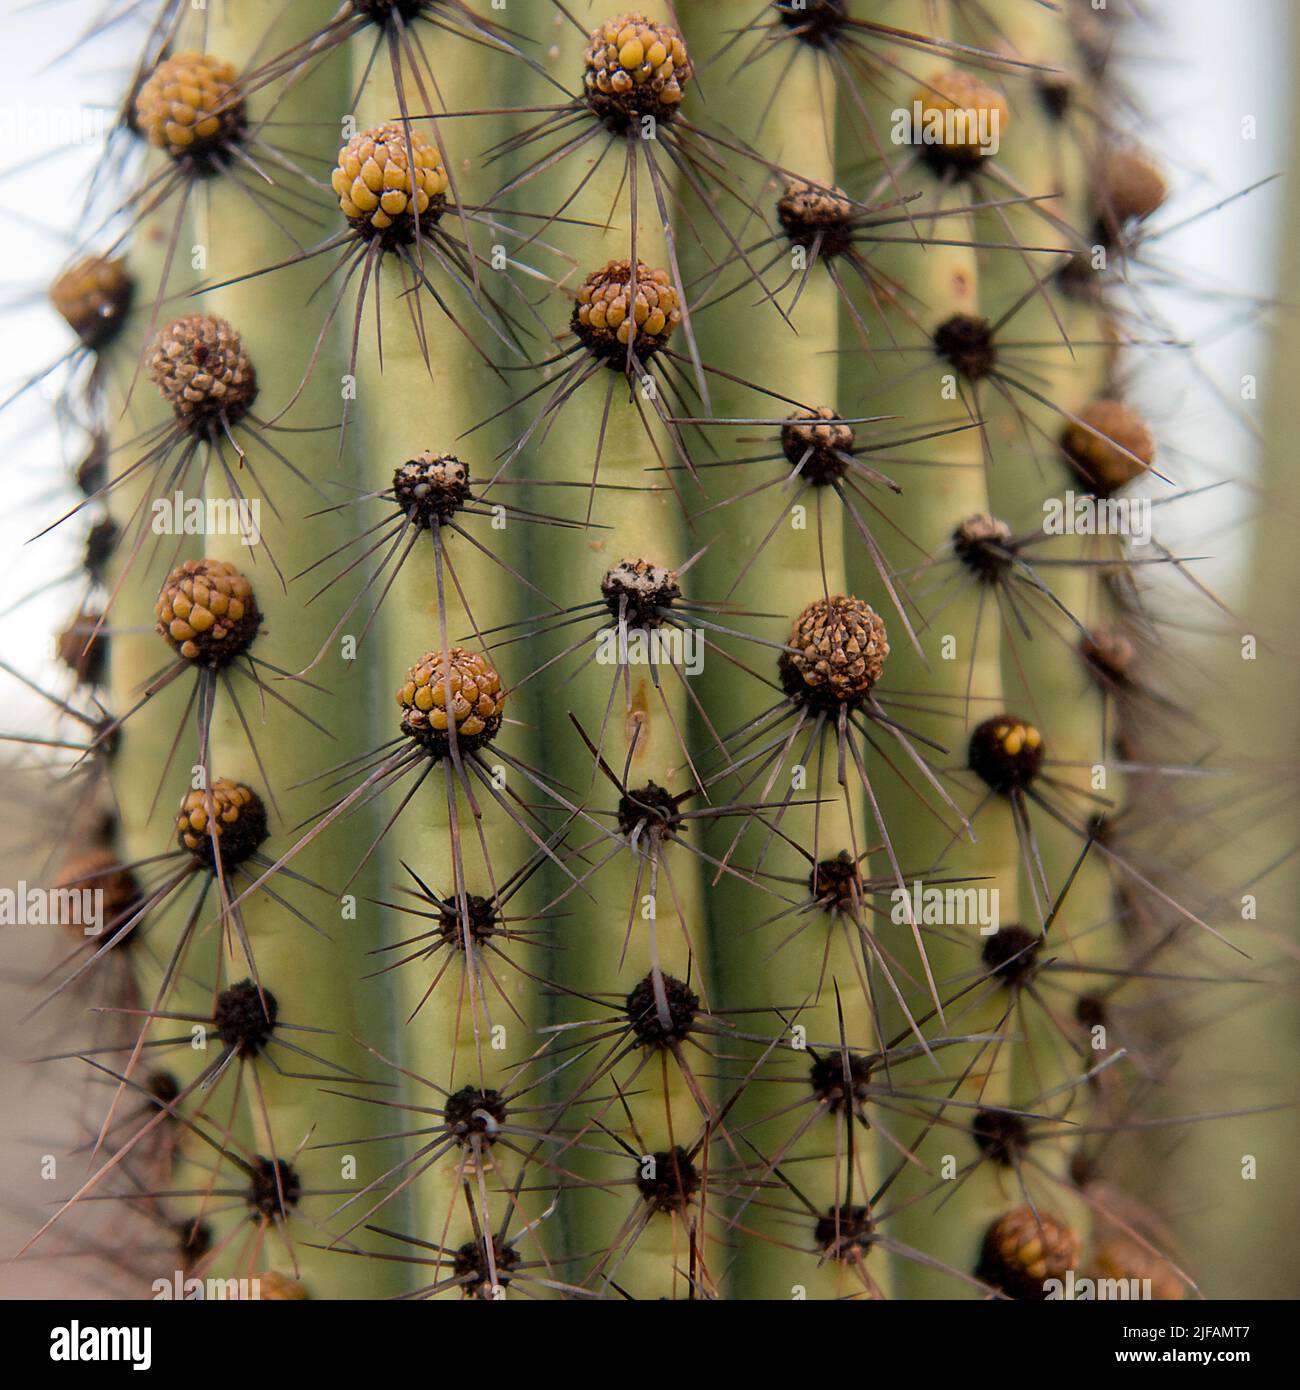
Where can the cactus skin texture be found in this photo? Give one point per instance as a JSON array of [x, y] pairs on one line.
[[772, 879]]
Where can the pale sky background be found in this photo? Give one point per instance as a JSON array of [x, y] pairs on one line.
[[1208, 64]]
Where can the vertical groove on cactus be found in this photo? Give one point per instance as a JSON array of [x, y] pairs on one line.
[[944, 285], [634, 918]]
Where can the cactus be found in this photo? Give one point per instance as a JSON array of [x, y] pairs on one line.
[[773, 873]]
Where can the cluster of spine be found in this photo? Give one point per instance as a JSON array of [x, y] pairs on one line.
[[686, 484]]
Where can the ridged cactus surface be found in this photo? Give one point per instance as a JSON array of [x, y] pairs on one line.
[[624, 731]]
